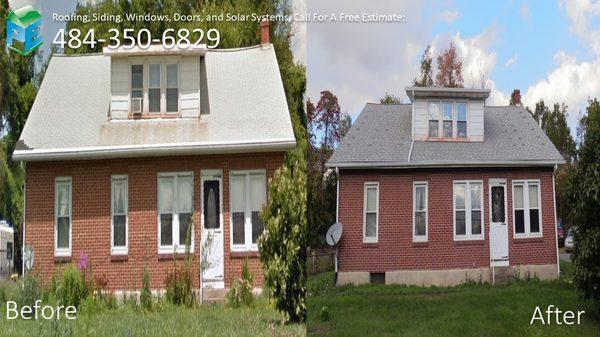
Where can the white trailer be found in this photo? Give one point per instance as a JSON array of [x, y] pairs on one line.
[[7, 244]]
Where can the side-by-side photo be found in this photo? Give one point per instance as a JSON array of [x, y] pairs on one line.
[[450, 183]]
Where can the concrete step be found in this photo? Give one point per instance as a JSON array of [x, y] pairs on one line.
[[214, 295], [504, 274]]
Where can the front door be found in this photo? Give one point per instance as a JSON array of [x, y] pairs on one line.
[[211, 259], [498, 224]]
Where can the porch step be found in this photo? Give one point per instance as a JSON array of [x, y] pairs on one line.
[[504, 274], [214, 295]]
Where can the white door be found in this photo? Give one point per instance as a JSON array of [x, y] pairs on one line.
[[498, 223], [211, 259]]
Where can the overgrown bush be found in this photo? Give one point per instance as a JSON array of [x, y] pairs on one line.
[[241, 289], [179, 284], [73, 288], [146, 295], [31, 290], [282, 244]]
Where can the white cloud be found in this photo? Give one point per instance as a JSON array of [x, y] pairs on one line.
[[580, 12], [448, 16], [511, 61], [299, 30], [525, 11]]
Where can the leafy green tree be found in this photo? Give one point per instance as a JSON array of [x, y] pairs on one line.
[[389, 99], [426, 77], [345, 125], [584, 192], [282, 245], [554, 124]]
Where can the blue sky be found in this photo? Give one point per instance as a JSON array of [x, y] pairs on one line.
[[548, 49]]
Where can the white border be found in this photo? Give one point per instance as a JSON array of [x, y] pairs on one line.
[[120, 250], [468, 225], [421, 238], [176, 246], [248, 246], [69, 182], [370, 184], [525, 183]]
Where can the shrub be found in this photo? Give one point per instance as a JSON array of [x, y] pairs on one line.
[[241, 289], [30, 291], [73, 286], [283, 241], [179, 285], [146, 295]]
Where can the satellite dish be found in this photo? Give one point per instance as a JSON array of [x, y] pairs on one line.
[[28, 256], [334, 233]]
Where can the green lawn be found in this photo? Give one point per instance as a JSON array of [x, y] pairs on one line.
[[467, 310], [207, 320]]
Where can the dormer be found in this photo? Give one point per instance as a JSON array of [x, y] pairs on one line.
[[156, 82], [447, 114]]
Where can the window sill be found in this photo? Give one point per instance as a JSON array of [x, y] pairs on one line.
[[171, 256], [62, 258], [119, 257], [243, 254], [469, 242], [420, 243], [525, 239], [370, 244]]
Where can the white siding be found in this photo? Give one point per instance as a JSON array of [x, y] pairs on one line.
[[119, 87], [475, 127], [189, 90]]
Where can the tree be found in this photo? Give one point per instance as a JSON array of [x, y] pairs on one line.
[[584, 193], [327, 114], [282, 244], [540, 111], [449, 69], [555, 126], [389, 99], [345, 125], [426, 78]]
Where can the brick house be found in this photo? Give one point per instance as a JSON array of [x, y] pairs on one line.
[[445, 189], [130, 150]]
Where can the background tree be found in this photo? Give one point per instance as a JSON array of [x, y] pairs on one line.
[[328, 119], [449, 69], [426, 77], [389, 99], [584, 194], [345, 125], [554, 124]]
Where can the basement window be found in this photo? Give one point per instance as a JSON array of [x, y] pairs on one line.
[[377, 278]]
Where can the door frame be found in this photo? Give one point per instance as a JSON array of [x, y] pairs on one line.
[[491, 183], [204, 176]]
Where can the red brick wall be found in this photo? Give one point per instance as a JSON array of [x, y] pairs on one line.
[[91, 214], [395, 249]]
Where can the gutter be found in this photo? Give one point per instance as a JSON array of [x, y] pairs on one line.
[[444, 164], [153, 150], [412, 143]]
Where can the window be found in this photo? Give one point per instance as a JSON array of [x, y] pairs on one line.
[[137, 84], [434, 120], [119, 210], [154, 88], [468, 214], [175, 195], [526, 208], [248, 194], [420, 211], [447, 111], [172, 88], [371, 212], [62, 205], [461, 120]]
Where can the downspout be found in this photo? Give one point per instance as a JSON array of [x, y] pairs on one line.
[[337, 216], [555, 223], [412, 123], [24, 215]]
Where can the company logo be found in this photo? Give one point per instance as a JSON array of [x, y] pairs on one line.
[[23, 30]]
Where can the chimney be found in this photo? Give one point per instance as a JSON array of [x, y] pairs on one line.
[[264, 33], [515, 98]]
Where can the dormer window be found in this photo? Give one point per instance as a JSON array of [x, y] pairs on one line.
[[447, 119], [157, 93]]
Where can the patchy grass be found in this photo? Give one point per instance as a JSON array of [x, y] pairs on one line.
[[207, 320], [466, 310]]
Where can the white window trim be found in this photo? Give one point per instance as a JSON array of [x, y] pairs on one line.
[[145, 63], [63, 251], [440, 103], [525, 183], [370, 184], [421, 238], [468, 229], [176, 247], [119, 250], [248, 246]]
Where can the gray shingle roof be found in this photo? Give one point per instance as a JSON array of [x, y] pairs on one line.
[[69, 118], [381, 137]]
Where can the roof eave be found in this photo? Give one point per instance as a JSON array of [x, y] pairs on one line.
[[433, 164], [441, 92], [153, 150]]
